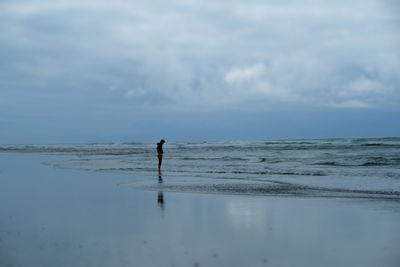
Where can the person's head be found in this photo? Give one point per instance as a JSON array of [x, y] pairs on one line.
[[162, 141]]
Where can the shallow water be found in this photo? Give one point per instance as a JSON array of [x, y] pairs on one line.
[[321, 167], [59, 217]]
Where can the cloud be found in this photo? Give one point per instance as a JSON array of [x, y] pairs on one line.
[[362, 87], [199, 53], [349, 104], [135, 93], [102, 67], [255, 82], [245, 73]]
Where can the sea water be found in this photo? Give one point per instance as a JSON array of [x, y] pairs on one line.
[[312, 167]]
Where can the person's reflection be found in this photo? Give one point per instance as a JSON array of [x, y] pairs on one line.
[[160, 198]]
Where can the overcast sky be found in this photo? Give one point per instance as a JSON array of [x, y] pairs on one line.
[[126, 70]]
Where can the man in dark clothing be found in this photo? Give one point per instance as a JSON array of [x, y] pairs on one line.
[[160, 153]]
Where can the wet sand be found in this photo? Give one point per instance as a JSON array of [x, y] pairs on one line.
[[59, 217]]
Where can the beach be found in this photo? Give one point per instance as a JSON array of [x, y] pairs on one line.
[[61, 217]]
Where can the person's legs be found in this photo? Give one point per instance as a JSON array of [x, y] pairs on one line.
[[159, 162]]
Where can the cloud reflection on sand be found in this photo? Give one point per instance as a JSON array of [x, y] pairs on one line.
[[245, 214]]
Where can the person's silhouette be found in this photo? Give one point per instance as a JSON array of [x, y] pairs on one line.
[[160, 153]]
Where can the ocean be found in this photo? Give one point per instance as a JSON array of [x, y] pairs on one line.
[[356, 168]]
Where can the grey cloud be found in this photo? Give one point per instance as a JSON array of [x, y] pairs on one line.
[[180, 55]]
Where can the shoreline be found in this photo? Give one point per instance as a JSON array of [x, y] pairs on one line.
[[61, 217], [253, 188]]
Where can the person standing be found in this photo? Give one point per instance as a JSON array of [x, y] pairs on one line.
[[160, 153]]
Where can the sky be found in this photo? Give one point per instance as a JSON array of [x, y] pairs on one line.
[[76, 71]]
